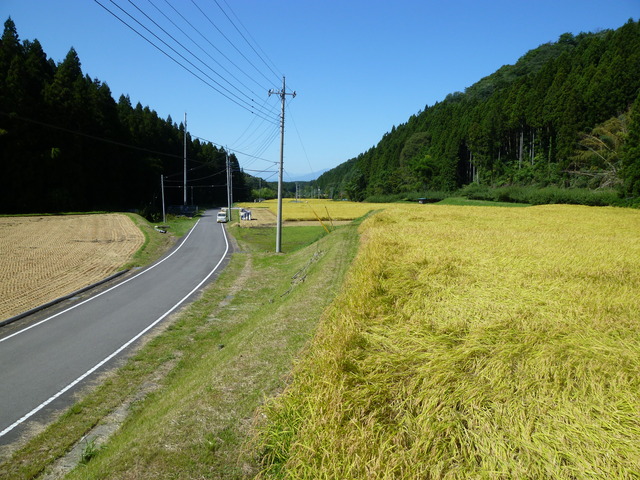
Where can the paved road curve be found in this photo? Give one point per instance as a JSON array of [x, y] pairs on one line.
[[42, 364]]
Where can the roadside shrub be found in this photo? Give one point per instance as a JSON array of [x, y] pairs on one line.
[[385, 198], [431, 196], [475, 191], [542, 196]]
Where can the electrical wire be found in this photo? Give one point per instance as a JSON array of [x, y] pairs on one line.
[[247, 103], [267, 143], [253, 120], [214, 47], [245, 38], [258, 171], [256, 141], [132, 147], [304, 150], [238, 101], [255, 136], [191, 53], [92, 137], [230, 42], [235, 151]]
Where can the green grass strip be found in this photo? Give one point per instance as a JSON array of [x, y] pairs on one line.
[[193, 389]]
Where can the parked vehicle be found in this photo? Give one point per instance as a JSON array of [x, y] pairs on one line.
[[222, 217]]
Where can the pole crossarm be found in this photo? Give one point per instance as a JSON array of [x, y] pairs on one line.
[[282, 93]]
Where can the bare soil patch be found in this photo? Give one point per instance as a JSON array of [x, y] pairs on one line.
[[44, 258]]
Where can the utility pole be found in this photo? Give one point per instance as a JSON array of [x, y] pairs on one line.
[[164, 217], [283, 93], [229, 185], [185, 158]]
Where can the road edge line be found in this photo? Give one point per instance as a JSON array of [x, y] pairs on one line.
[[123, 347]]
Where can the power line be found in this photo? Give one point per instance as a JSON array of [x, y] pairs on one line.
[[267, 142], [121, 144], [189, 51], [244, 38], [93, 137], [236, 151], [254, 41], [253, 120], [259, 171], [300, 139], [238, 102], [212, 45], [248, 104], [256, 142], [230, 42], [265, 139]]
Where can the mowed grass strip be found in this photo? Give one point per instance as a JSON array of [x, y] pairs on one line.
[[473, 343], [238, 352], [192, 391]]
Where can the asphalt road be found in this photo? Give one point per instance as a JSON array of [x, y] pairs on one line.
[[42, 364]]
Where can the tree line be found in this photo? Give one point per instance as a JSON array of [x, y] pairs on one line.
[[67, 145], [566, 114]]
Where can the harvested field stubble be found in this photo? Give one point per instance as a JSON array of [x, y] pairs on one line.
[[44, 258], [474, 343]]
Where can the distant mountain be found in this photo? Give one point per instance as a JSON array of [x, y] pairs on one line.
[[304, 177], [539, 122]]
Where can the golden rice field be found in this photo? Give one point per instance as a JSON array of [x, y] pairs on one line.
[[473, 342], [44, 258], [313, 209]]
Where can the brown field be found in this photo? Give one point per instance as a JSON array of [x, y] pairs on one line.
[[44, 258]]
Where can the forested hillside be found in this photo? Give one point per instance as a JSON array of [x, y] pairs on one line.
[[566, 114], [66, 145]]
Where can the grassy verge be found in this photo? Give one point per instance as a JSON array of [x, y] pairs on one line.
[[193, 389], [542, 196], [263, 239], [464, 201], [476, 343], [157, 243]]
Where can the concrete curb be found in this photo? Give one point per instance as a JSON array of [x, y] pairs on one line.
[[61, 299]]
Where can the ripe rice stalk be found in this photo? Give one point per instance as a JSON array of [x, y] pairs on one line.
[[473, 343], [305, 210]]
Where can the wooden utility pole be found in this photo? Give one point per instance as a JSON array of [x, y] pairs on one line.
[[185, 159], [282, 94], [164, 217], [229, 185]]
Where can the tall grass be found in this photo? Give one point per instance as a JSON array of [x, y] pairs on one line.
[[429, 196], [473, 343], [542, 196]]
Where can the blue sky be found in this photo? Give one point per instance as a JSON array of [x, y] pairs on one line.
[[358, 67]]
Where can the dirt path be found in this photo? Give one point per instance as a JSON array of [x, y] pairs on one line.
[[44, 258]]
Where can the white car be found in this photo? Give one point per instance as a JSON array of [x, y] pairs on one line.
[[221, 217]]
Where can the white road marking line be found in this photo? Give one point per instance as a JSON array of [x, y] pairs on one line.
[[102, 293], [119, 350]]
